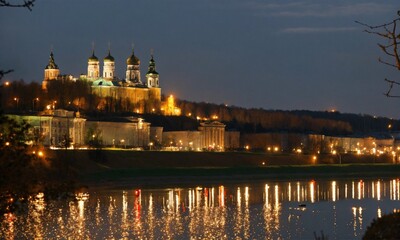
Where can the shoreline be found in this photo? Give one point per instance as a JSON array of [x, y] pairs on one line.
[[158, 168], [179, 177]]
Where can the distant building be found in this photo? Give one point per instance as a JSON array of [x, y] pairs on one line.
[[168, 107], [51, 71], [121, 132], [58, 128], [139, 94], [61, 127], [232, 140], [212, 136]]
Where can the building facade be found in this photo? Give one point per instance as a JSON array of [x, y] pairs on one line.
[[121, 133], [59, 128], [63, 129], [212, 136]]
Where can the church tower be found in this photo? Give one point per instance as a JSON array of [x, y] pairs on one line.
[[109, 67], [93, 71], [152, 75], [51, 71], [133, 69]]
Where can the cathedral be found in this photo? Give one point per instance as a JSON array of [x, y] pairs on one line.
[[131, 89]]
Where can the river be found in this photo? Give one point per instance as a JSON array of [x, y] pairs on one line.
[[341, 209]]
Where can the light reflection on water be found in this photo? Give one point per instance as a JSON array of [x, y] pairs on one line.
[[272, 210]]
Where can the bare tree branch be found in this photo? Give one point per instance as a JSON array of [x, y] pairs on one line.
[[384, 49], [379, 26], [387, 31], [378, 33], [389, 91], [25, 4], [386, 63], [2, 73]]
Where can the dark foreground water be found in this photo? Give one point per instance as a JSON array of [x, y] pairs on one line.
[[342, 209]]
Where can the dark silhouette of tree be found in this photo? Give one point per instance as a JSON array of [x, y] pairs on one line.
[[386, 227], [389, 33], [4, 72], [18, 4]]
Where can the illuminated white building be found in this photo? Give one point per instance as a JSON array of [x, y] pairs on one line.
[[212, 136], [121, 132], [51, 71]]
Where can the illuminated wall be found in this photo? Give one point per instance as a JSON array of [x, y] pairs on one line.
[[128, 132], [135, 95]]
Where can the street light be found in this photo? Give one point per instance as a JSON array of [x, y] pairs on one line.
[[33, 103], [17, 101]]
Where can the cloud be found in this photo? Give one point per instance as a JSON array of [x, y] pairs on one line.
[[317, 9], [318, 29]]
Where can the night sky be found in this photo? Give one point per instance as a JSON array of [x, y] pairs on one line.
[[264, 54]]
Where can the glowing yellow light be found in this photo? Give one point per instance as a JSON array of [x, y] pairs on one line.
[[247, 147], [40, 154], [333, 191], [7, 143], [276, 149], [7, 83], [334, 152], [312, 191]]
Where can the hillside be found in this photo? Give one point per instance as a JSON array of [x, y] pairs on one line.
[[301, 121]]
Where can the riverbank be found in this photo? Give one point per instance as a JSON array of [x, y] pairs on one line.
[[155, 168]]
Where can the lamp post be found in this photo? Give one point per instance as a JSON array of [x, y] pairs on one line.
[[33, 103], [17, 101]]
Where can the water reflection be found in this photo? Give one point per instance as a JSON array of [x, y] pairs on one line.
[[272, 210]]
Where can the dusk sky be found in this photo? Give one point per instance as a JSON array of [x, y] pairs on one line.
[[288, 55]]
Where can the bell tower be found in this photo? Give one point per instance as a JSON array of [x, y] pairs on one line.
[[109, 67], [152, 75], [51, 71], [93, 71], [133, 69]]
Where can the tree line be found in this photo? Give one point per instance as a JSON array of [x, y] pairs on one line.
[[298, 121]]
